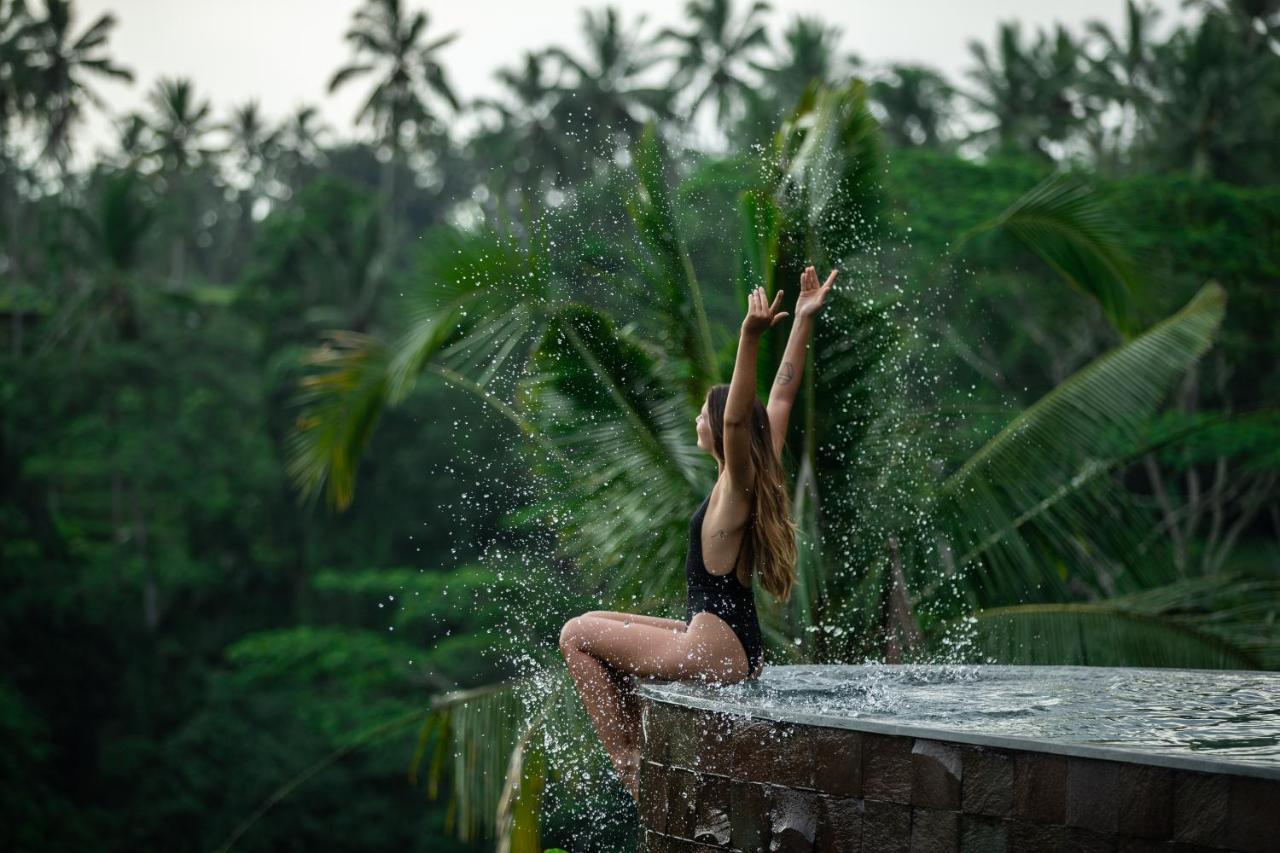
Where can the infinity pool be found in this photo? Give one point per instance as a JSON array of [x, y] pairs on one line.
[[1227, 716]]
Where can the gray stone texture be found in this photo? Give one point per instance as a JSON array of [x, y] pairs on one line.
[[837, 760], [653, 796], [1253, 815], [840, 829], [710, 782], [934, 831], [1093, 794], [711, 818], [776, 753], [793, 821], [682, 801], [749, 806], [982, 834], [886, 768], [1200, 808], [1039, 787], [886, 827], [987, 783], [935, 775], [1146, 801]]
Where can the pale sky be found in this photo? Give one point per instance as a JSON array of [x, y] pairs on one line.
[[283, 52]]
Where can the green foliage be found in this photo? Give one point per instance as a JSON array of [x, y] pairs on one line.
[[1033, 488], [1065, 224], [1097, 635], [193, 653]]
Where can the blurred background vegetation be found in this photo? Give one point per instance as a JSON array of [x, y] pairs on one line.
[[310, 444]]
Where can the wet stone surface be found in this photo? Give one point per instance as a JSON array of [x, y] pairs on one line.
[[713, 781]]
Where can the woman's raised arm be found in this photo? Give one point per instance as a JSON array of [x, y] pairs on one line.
[[787, 382], [761, 316]]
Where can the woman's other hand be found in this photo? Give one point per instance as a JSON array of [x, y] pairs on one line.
[[811, 293], [761, 316]]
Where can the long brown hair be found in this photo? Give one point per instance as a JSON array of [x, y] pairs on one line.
[[773, 533]]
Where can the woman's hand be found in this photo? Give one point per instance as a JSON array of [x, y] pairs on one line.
[[761, 316], [811, 294]]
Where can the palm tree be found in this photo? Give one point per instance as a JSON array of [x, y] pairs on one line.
[[716, 52], [605, 411], [1216, 106], [388, 45], [808, 53], [18, 104], [528, 135], [1124, 73], [252, 139], [17, 68], [301, 141], [62, 62], [179, 126], [1031, 93], [915, 103], [604, 105]]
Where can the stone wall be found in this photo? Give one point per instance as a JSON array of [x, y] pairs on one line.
[[711, 782]]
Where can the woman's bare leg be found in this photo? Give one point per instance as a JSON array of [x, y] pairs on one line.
[[604, 697], [593, 645], [640, 619], [627, 681]]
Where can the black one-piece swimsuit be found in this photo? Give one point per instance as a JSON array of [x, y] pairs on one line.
[[722, 595]]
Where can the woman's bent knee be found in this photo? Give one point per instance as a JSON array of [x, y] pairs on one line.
[[569, 634]]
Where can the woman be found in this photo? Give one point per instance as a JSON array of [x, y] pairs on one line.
[[747, 512]]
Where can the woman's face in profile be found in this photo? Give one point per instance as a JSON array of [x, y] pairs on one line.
[[705, 440]]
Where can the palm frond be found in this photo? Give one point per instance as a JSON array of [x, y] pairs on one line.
[[1070, 228], [674, 282], [341, 403], [611, 408], [1000, 509], [1098, 635], [472, 732], [831, 156]]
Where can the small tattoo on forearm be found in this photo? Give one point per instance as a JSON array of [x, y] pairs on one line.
[[721, 534], [786, 373]]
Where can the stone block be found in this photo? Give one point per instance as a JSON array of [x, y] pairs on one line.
[[837, 760], [682, 845], [655, 726], [886, 827], [1146, 845], [1146, 801], [935, 775], [775, 753], [1039, 787], [1029, 837], [1199, 807], [1080, 840], [710, 739], [682, 802], [840, 830], [987, 783], [653, 796], [1253, 814], [793, 821], [749, 815], [655, 842], [886, 768], [1093, 794], [934, 831], [698, 740], [711, 819], [982, 835]]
